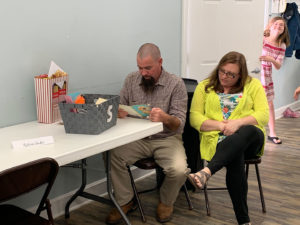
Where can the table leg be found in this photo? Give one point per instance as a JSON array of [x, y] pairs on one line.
[[82, 193], [80, 190], [109, 188]]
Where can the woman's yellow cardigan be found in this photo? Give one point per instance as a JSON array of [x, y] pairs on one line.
[[206, 106]]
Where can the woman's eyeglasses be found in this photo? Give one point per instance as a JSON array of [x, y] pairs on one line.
[[227, 73]]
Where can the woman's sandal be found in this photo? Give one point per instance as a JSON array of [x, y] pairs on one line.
[[203, 178]]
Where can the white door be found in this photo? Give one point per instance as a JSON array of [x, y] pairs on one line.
[[211, 28]]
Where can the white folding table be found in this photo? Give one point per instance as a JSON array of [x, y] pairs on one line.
[[68, 148]]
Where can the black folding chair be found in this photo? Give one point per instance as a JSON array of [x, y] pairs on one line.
[[254, 161], [23, 179], [148, 164]]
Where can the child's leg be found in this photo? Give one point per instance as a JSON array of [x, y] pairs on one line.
[[271, 123]]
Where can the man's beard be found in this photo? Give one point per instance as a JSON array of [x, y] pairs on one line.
[[148, 84]]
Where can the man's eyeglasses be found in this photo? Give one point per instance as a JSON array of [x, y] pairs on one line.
[[227, 73]]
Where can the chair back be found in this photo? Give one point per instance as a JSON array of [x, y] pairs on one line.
[[190, 136], [24, 178], [190, 84]]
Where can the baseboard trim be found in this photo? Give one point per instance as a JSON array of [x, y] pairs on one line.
[[294, 106], [97, 188]]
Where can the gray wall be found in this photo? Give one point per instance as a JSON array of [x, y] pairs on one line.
[[285, 81], [94, 41]]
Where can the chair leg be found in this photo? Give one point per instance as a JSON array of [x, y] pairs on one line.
[[260, 189], [136, 195], [159, 177], [247, 171], [49, 212], [206, 200], [187, 197]]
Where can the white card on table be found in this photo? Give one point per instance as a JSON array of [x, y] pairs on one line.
[[31, 142]]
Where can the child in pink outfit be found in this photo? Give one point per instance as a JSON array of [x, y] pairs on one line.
[[266, 73], [276, 38]]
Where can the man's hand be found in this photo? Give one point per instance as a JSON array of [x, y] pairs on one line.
[[122, 113], [157, 115]]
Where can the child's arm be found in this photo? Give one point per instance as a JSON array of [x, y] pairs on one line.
[[267, 58], [277, 61], [267, 29], [296, 93]]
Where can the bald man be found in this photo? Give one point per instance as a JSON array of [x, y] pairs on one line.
[[167, 95]]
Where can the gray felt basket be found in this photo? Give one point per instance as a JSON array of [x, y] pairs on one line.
[[90, 118]]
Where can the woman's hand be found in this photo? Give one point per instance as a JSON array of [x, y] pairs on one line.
[[231, 126], [213, 125], [222, 126]]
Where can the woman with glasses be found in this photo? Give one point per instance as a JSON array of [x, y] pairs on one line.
[[230, 110]]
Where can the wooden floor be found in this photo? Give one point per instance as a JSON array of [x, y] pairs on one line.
[[280, 173]]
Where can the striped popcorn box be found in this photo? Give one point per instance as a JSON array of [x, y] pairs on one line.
[[48, 93]]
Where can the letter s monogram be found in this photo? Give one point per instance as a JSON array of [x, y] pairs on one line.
[[109, 113]]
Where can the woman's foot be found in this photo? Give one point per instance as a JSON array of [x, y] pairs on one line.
[[199, 179]]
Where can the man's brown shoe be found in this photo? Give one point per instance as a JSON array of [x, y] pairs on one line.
[[115, 217], [164, 213]]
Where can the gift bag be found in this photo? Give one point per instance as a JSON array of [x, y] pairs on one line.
[[49, 91]]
